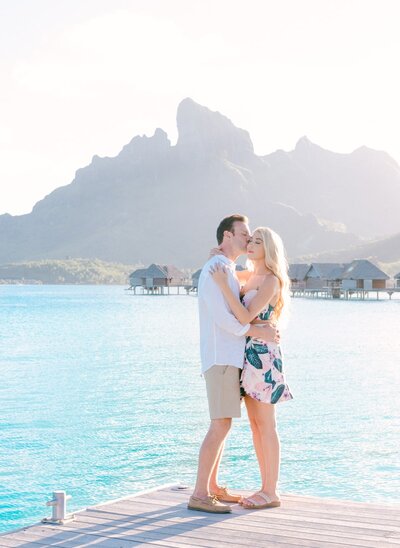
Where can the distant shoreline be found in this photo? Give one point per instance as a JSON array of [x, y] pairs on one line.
[[39, 282], [76, 271]]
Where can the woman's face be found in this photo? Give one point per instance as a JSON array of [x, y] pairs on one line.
[[255, 247]]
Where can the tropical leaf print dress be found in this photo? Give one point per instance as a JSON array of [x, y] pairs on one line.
[[262, 377]]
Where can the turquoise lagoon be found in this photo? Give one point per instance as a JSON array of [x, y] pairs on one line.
[[101, 395]]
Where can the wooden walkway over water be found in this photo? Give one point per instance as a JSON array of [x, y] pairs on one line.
[[160, 518], [340, 293]]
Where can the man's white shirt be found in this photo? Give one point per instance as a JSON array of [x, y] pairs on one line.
[[222, 340]]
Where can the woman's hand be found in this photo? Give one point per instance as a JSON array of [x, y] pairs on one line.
[[219, 274], [272, 333]]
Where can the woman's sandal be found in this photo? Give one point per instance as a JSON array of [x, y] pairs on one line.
[[243, 498], [255, 505]]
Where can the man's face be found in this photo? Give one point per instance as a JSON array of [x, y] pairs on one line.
[[241, 236]]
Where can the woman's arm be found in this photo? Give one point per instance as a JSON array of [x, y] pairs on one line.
[[263, 297], [265, 294]]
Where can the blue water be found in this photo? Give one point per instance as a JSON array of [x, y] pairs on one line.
[[100, 395]]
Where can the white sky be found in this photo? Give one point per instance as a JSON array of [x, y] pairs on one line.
[[82, 77]]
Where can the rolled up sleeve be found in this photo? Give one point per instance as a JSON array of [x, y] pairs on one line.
[[220, 310]]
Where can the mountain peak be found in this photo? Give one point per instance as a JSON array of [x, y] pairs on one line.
[[307, 149], [143, 146], [210, 133], [304, 143]]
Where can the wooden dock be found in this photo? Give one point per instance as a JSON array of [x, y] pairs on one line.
[[160, 517], [340, 293]]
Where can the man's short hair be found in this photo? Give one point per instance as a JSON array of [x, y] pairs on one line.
[[227, 224]]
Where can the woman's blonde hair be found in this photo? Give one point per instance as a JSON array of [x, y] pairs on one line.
[[276, 261]]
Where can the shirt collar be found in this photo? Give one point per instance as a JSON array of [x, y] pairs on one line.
[[226, 261]]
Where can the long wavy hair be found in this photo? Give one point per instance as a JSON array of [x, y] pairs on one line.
[[276, 261]]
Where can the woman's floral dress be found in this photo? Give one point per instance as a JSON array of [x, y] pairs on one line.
[[262, 376]]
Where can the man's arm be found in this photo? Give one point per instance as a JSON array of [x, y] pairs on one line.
[[225, 319]]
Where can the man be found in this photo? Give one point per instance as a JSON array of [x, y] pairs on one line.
[[222, 345]]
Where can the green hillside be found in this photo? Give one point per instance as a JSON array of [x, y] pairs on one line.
[[67, 271]]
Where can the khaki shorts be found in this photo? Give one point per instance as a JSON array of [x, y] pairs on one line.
[[223, 391]]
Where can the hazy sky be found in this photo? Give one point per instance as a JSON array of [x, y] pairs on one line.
[[82, 77]]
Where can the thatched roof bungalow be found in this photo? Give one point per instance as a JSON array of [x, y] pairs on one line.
[[298, 271], [157, 276], [297, 274], [322, 275], [362, 274]]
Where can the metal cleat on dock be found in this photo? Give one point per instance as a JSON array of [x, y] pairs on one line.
[[59, 510]]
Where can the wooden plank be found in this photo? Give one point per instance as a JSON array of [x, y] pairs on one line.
[[160, 517], [347, 523], [323, 507], [287, 499], [370, 506], [214, 538], [241, 529], [166, 501], [181, 523], [70, 539], [148, 503], [301, 511], [240, 521], [13, 543], [256, 516], [211, 539], [242, 536]]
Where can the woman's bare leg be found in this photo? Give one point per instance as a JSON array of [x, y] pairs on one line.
[[256, 436], [263, 415]]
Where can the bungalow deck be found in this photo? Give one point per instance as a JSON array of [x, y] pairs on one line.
[[160, 517], [347, 294]]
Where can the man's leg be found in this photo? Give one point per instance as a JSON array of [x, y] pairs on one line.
[[214, 485], [223, 394], [210, 452]]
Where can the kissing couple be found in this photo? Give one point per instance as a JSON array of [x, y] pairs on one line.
[[240, 355]]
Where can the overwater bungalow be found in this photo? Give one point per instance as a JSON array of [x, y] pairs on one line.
[[362, 274], [336, 280], [315, 275], [297, 274], [322, 275], [156, 278]]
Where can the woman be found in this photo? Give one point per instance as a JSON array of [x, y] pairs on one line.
[[265, 294]]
